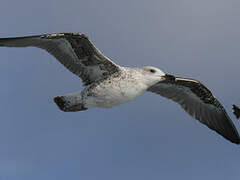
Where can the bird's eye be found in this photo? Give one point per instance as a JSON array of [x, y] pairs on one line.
[[152, 70]]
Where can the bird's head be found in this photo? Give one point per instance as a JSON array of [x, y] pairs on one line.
[[152, 75]]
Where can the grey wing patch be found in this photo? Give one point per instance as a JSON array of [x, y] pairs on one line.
[[199, 102], [74, 50]]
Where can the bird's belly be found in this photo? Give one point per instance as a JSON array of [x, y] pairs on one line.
[[109, 96]]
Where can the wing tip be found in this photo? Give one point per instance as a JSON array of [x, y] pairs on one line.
[[63, 34], [236, 111], [8, 41], [235, 140]]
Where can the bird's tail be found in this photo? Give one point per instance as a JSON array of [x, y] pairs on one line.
[[70, 103]]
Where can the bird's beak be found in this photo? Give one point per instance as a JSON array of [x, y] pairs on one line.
[[168, 77], [163, 77]]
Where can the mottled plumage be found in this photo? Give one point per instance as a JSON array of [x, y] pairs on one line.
[[75, 51], [199, 102], [108, 84]]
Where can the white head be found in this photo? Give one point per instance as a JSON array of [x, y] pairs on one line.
[[152, 75]]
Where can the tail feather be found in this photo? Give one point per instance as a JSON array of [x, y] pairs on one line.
[[66, 105]]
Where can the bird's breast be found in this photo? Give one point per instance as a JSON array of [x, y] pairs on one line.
[[117, 91]]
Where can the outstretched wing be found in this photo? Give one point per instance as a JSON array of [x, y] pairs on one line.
[[199, 102], [75, 51]]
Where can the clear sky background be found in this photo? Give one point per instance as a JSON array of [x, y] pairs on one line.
[[149, 138]]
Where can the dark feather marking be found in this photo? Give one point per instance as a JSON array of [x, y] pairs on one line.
[[87, 55], [215, 118], [196, 87], [236, 111], [82, 59]]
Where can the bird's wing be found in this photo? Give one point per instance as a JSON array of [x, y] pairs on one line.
[[199, 102], [75, 51]]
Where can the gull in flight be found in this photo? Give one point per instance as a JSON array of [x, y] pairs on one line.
[[108, 84]]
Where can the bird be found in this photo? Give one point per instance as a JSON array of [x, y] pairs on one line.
[[236, 111], [107, 84]]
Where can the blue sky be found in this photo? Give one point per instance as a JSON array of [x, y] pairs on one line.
[[148, 138]]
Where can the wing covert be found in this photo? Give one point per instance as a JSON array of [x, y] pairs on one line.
[[74, 50]]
